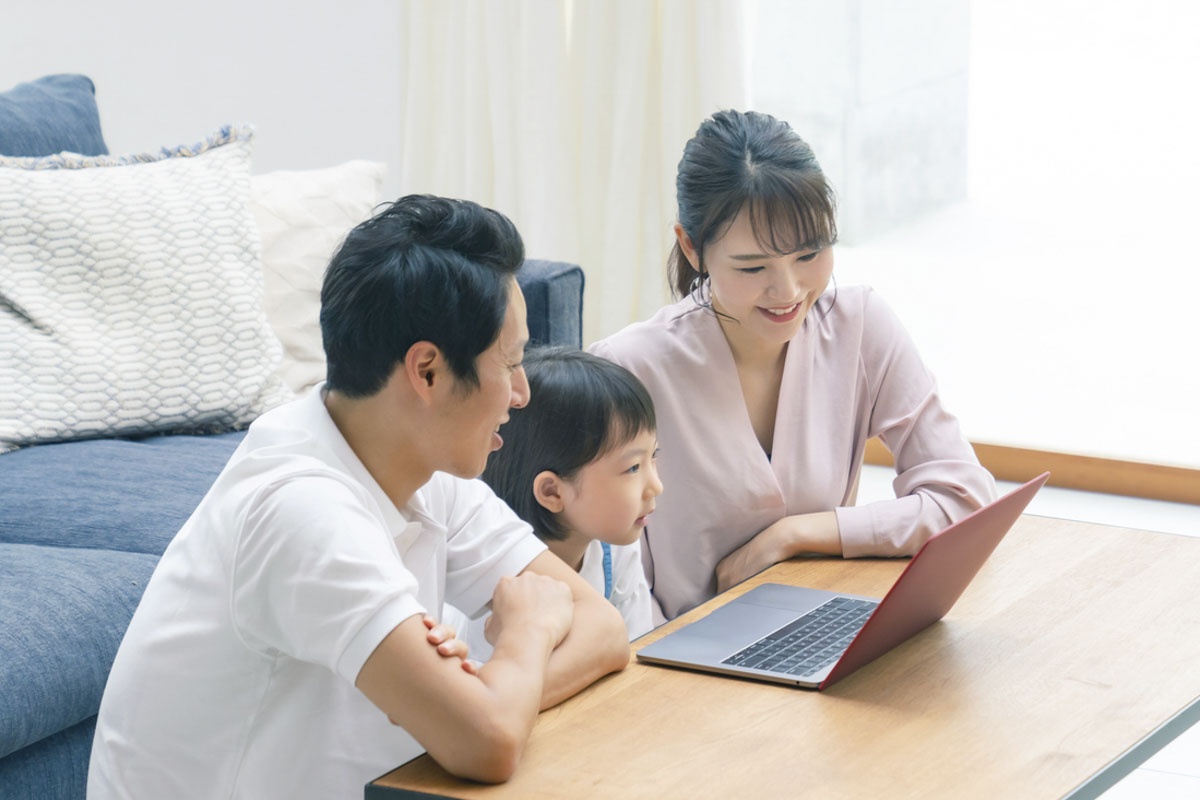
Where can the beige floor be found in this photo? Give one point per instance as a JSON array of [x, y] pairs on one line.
[[1174, 772]]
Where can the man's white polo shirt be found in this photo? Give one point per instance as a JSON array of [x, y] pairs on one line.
[[236, 676]]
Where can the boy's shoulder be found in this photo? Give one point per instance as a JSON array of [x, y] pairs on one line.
[[622, 557]]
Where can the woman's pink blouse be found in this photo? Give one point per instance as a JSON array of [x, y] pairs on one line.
[[850, 373]]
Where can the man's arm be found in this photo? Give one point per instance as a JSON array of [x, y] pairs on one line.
[[597, 643], [474, 725]]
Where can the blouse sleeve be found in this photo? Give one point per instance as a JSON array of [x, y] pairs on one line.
[[938, 478]]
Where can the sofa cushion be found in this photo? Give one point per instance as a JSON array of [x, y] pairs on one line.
[[302, 218], [111, 494], [49, 115], [65, 611], [131, 295], [554, 301], [54, 768]]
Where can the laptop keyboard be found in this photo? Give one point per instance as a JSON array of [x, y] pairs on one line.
[[809, 643]]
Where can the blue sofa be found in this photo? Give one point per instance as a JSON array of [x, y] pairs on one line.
[[83, 523]]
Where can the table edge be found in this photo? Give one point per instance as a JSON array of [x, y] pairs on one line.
[[1121, 766]]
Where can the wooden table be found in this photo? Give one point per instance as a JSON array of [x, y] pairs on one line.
[[1072, 657]]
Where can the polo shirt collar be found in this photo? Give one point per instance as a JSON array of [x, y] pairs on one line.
[[415, 511]]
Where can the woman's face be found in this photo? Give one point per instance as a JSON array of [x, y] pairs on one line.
[[769, 295]]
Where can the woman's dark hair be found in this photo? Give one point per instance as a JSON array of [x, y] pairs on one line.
[[749, 160], [581, 406], [423, 268]]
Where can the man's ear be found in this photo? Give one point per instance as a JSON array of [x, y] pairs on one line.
[[685, 244], [424, 369], [548, 491]]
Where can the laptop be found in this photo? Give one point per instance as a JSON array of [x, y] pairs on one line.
[[812, 638]]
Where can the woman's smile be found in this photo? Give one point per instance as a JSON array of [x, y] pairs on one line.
[[781, 313]]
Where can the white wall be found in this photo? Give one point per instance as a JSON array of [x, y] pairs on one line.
[[321, 81], [1057, 306]]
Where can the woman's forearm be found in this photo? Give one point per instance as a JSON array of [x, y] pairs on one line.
[[801, 534], [804, 534]]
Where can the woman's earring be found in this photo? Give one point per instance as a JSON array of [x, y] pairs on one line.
[[698, 289]]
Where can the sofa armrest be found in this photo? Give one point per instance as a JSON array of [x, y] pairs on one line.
[[554, 302]]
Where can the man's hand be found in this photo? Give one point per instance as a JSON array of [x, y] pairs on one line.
[[531, 599], [443, 637], [597, 642]]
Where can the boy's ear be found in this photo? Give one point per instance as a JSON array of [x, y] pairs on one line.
[[548, 491], [424, 369]]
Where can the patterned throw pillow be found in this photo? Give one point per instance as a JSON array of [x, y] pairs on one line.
[[131, 295]]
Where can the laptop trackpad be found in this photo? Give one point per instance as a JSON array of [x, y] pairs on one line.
[[720, 634], [778, 595]]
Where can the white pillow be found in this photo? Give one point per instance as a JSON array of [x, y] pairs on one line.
[[131, 295], [302, 218]]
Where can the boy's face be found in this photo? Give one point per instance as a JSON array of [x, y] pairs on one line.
[[611, 497], [476, 413]]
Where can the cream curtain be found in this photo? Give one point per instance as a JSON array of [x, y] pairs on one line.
[[570, 117]]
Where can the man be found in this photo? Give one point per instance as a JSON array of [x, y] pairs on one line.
[[284, 646]]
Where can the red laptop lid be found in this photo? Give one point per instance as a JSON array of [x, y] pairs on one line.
[[934, 579]]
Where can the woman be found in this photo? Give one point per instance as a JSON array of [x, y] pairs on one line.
[[767, 386]]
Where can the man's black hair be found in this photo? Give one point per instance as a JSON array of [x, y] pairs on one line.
[[423, 268]]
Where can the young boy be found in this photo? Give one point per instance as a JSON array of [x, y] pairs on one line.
[[281, 648], [579, 465]]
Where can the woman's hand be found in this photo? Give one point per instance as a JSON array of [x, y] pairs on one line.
[[789, 537], [749, 559]]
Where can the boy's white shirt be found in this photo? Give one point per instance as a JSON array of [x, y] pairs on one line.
[[630, 594], [236, 676]]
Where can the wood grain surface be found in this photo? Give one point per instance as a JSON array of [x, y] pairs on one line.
[[1073, 642]]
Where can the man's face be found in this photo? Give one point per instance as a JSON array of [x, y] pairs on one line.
[[476, 413]]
